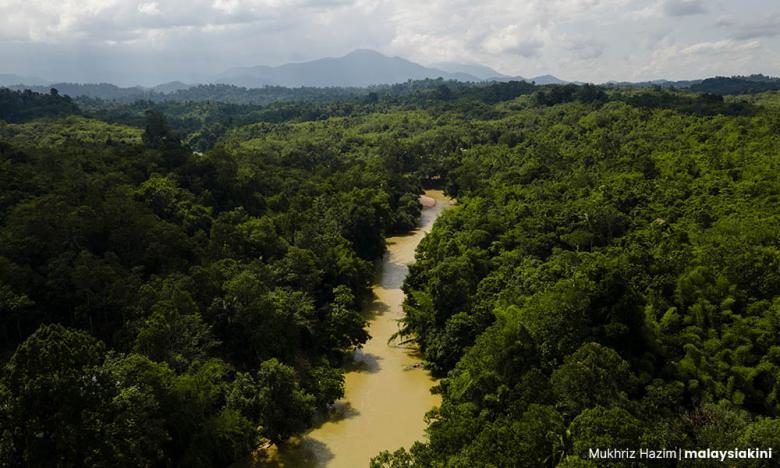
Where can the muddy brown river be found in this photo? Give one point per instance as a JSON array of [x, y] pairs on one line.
[[386, 397]]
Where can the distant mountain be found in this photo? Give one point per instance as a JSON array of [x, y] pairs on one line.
[[106, 90], [480, 71], [547, 79], [737, 85], [93, 90], [171, 87], [359, 68], [716, 85], [9, 79], [654, 83], [540, 80]]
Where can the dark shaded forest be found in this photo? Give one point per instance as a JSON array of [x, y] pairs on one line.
[[737, 85], [721, 85], [180, 281]]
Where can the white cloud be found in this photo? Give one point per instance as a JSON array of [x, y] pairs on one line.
[[708, 58], [718, 47], [151, 8], [513, 39]]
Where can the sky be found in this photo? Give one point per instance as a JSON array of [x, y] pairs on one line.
[[147, 42]]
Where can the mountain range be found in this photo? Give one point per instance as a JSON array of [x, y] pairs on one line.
[[10, 79], [359, 68], [362, 68]]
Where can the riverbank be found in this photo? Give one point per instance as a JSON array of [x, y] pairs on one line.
[[387, 392]]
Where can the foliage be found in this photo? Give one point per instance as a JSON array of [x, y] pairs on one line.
[[610, 274], [737, 84], [22, 106], [613, 263], [161, 307]]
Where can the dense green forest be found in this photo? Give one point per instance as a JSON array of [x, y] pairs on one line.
[[181, 279], [611, 278], [722, 85], [737, 84], [103, 93], [158, 306]]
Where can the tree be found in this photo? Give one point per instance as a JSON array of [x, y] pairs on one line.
[[175, 332], [157, 132], [594, 375], [205, 431], [762, 434], [557, 320], [284, 408], [398, 459], [719, 425], [66, 406], [537, 438], [345, 327], [605, 427], [13, 308]]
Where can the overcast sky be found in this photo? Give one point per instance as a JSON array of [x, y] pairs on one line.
[[151, 41]]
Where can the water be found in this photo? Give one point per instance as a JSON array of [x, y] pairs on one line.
[[385, 401]]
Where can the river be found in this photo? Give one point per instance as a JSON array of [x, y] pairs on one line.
[[385, 400]]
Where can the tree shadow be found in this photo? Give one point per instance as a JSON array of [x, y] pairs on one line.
[[297, 453], [374, 307], [341, 410], [402, 235], [363, 362], [393, 275]]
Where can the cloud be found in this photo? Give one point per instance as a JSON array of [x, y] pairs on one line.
[[683, 7], [151, 8], [704, 59], [583, 48], [517, 34], [513, 39], [718, 47], [766, 27], [142, 41], [56, 21]]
